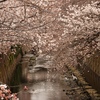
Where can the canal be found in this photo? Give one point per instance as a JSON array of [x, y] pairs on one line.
[[44, 82]]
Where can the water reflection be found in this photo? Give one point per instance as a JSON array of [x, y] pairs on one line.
[[24, 95], [43, 82], [48, 91], [45, 86]]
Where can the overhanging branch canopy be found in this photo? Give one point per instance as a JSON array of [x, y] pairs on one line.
[[2, 1]]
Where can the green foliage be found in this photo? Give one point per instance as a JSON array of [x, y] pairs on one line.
[[11, 58], [16, 78], [7, 63], [33, 58], [18, 50]]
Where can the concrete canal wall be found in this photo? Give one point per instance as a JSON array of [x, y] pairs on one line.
[[8, 63], [91, 70], [94, 63]]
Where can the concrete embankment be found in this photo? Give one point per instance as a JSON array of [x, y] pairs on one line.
[[8, 63], [91, 70]]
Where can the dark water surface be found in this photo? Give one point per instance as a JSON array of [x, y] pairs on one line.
[[43, 81], [46, 86]]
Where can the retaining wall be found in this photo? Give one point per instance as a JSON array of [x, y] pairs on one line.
[[91, 70], [8, 64]]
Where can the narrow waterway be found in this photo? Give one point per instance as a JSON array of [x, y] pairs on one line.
[[43, 82]]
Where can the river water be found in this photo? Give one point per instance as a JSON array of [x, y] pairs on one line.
[[44, 82]]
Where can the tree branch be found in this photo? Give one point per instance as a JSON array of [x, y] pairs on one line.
[[2, 1]]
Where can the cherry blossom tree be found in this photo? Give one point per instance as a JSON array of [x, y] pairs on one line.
[[81, 33], [28, 22], [60, 27]]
